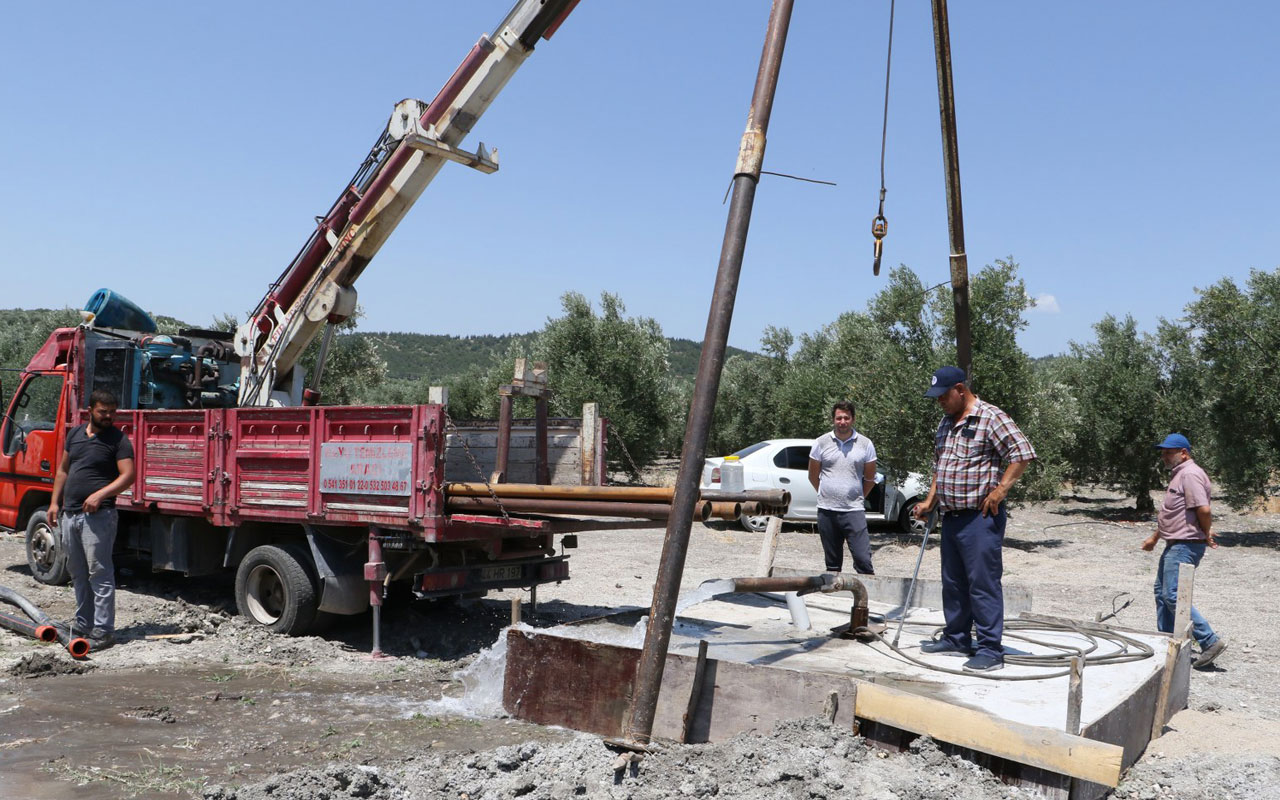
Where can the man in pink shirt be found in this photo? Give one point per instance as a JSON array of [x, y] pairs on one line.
[[1186, 526]]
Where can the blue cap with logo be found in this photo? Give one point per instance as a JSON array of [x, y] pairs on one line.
[[1174, 441], [944, 379]]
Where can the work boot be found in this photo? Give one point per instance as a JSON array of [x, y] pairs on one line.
[[100, 639], [75, 627], [1210, 654]]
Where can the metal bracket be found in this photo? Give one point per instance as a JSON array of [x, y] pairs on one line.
[[482, 159]]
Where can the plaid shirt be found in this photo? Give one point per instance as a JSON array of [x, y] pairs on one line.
[[969, 456]]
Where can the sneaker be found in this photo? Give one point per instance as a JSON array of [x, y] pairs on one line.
[[1210, 654], [984, 663], [942, 647], [100, 639]]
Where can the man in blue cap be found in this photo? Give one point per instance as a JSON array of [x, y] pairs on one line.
[[979, 453], [1185, 524]]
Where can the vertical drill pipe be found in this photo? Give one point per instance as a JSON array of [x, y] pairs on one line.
[[676, 542], [951, 163]]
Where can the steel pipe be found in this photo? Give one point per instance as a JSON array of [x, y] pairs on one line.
[[653, 656], [774, 498], [721, 510], [578, 507], [768, 497]]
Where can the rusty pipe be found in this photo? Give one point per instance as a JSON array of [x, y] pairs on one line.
[[653, 656], [802, 584], [578, 507], [848, 583], [652, 494], [721, 510], [20, 624], [772, 497]]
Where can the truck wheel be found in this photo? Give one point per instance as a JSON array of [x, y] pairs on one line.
[[45, 555], [274, 589], [756, 523]]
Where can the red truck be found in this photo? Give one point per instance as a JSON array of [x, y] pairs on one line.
[[291, 498], [315, 508]]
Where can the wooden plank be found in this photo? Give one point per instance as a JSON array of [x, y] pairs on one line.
[[1075, 695], [695, 690], [1040, 747], [769, 547], [1182, 611], [1172, 651]]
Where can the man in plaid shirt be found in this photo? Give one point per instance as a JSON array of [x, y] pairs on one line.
[[979, 453]]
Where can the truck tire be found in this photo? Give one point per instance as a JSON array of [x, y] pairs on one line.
[[274, 588], [46, 557]]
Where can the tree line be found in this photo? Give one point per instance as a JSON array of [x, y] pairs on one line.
[[1093, 413]]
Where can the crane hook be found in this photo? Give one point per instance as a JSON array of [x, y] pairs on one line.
[[879, 227]]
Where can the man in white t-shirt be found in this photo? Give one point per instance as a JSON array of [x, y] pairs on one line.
[[842, 467]]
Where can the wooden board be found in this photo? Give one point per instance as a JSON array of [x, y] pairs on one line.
[[1040, 747]]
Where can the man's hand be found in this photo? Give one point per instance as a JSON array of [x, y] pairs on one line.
[[991, 503], [1212, 539], [52, 514], [922, 509], [1149, 543], [92, 502]]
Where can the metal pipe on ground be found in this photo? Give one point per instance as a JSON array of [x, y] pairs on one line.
[[702, 511], [653, 656], [770, 497]]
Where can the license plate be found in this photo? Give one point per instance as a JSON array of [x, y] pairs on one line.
[[505, 573]]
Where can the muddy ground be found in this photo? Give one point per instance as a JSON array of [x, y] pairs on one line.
[[219, 709]]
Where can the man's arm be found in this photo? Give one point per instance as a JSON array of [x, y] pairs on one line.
[[59, 483], [123, 481], [991, 503], [815, 472], [868, 478], [1205, 519]]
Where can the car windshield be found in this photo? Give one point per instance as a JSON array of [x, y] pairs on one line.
[[746, 451]]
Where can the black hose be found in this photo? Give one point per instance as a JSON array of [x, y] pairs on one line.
[[30, 609]]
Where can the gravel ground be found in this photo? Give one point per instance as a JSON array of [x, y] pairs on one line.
[[313, 717]]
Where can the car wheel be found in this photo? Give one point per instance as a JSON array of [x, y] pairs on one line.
[[46, 557], [755, 523], [907, 521], [275, 590]]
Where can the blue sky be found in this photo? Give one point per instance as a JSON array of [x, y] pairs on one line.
[[1123, 153]]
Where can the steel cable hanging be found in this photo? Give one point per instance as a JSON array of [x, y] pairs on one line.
[[880, 225]]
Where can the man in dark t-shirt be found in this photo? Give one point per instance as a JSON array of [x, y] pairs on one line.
[[97, 466]]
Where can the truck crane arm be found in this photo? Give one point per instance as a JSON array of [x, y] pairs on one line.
[[317, 287]]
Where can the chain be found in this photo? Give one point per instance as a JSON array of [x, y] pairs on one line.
[[450, 427], [635, 471]]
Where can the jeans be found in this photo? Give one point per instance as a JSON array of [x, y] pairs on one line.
[[835, 529], [1175, 553], [972, 567], [89, 539]]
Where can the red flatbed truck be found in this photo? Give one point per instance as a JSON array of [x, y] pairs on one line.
[[291, 498]]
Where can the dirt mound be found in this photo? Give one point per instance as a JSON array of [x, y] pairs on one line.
[[44, 664], [803, 759]]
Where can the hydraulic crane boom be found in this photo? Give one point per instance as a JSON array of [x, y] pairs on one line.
[[317, 287]]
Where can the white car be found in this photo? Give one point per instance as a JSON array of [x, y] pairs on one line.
[[784, 464]]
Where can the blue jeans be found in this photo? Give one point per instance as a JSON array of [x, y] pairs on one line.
[[972, 566], [1176, 553]]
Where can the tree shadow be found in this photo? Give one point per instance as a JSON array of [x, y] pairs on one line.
[[1109, 513], [1268, 539]]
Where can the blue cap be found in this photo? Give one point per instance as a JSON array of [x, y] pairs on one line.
[[943, 380], [1174, 441]]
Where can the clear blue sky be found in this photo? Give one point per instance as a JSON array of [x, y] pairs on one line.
[[1122, 153]]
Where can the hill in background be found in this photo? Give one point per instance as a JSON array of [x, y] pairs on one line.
[[437, 357]]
